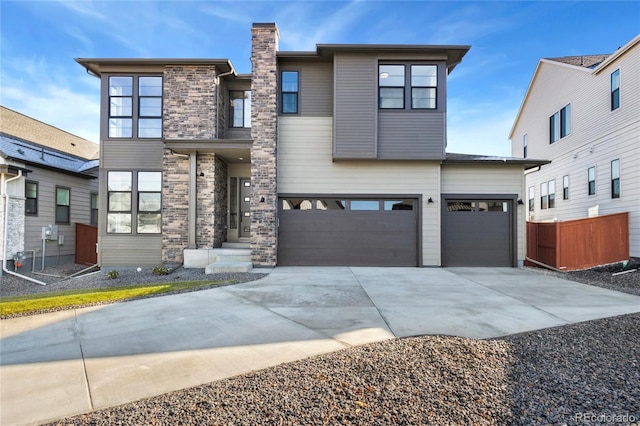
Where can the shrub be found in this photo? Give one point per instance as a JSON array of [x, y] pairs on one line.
[[112, 275], [160, 270]]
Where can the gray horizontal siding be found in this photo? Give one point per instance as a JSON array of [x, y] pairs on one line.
[[130, 250], [131, 154], [316, 87], [80, 210], [355, 106], [411, 135]]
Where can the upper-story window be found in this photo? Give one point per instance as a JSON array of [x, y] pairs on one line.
[[424, 82], [391, 83], [392, 86], [560, 124], [240, 108], [591, 180], [289, 89], [615, 90], [525, 143], [140, 114], [532, 198], [565, 187]]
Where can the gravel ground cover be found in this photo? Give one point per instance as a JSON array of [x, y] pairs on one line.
[[586, 373]]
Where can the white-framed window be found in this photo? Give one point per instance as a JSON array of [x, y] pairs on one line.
[[552, 193], [544, 195], [525, 143], [532, 198], [565, 187]]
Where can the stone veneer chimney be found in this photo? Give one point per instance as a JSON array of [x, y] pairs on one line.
[[264, 123]]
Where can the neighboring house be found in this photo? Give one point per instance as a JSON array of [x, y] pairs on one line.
[[329, 157], [56, 185], [583, 113]]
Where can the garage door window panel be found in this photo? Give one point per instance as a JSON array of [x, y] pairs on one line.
[[330, 204], [364, 205], [394, 205]]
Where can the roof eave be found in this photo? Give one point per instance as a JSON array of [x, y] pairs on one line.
[[93, 65]]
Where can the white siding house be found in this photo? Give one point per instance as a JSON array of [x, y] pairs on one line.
[[583, 114]]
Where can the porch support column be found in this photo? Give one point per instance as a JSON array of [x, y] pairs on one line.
[[193, 192]]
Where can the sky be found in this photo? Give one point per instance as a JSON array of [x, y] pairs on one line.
[[40, 39]]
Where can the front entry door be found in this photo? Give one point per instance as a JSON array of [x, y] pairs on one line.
[[245, 208]]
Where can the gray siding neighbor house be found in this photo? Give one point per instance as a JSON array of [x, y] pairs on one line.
[[48, 177], [329, 157]]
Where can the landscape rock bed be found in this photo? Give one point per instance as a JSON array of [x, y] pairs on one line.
[[550, 376]]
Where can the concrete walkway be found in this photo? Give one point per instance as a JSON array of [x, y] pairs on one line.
[[66, 363]]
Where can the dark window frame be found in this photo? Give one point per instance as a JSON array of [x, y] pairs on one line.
[[615, 90], [402, 89], [295, 93], [560, 124], [591, 183], [243, 99], [139, 212], [136, 116], [615, 180], [435, 88], [93, 211], [129, 212], [62, 208], [27, 198]]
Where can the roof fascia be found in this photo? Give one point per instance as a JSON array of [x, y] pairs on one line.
[[618, 53], [95, 66]]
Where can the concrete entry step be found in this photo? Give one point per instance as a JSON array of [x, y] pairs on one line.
[[241, 244], [228, 267]]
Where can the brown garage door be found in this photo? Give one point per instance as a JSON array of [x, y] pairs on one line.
[[478, 233], [348, 232]]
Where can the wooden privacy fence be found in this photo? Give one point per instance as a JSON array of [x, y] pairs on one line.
[[581, 243], [86, 243]]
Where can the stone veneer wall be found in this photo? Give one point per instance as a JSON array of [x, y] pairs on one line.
[[211, 211], [175, 206], [15, 234], [189, 102], [223, 95], [264, 119]]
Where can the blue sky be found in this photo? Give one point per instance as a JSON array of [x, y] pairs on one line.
[[40, 39]]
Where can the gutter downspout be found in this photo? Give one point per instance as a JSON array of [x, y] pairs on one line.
[[6, 229]]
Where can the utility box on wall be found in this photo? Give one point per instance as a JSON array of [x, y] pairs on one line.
[[50, 232]]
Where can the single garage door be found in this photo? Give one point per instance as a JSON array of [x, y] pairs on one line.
[[478, 233], [348, 232]]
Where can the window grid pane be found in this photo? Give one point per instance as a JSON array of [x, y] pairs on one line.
[[391, 98], [391, 75], [423, 98]]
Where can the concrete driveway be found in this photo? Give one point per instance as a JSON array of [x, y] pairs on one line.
[[61, 364]]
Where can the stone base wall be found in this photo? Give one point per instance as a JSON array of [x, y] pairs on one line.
[[15, 234], [175, 207], [211, 211]]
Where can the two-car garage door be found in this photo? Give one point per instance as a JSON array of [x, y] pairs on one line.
[[343, 231]]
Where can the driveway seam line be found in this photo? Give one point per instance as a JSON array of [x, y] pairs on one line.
[[84, 365], [372, 302]]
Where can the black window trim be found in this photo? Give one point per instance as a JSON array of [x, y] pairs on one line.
[[31, 198], [91, 209], [296, 93], [68, 208], [129, 212], [231, 116], [560, 121], [135, 107], [411, 86]]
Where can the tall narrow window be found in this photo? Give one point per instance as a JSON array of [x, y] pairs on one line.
[[119, 202], [552, 194], [150, 107], [31, 195], [289, 89], [94, 209], [63, 205], [391, 85], [565, 121], [591, 176], [554, 127], [565, 187], [532, 198], [120, 107], [525, 142], [544, 197], [149, 202], [615, 178], [424, 81], [615, 90], [240, 108]]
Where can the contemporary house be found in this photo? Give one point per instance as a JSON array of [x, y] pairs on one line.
[[583, 113], [48, 178], [327, 157]]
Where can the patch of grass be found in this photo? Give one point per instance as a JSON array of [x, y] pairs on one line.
[[69, 299]]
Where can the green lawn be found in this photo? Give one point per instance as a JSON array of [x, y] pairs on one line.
[[69, 299]]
